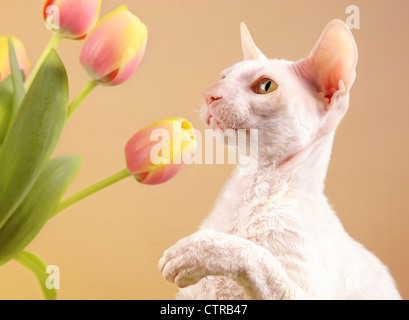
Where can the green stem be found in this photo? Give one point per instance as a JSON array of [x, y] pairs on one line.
[[54, 41], [79, 99], [91, 190]]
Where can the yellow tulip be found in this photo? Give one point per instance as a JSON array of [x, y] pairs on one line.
[[21, 54]]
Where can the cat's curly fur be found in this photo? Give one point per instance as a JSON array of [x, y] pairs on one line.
[[273, 234]]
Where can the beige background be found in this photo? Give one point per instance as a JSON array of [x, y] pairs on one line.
[[107, 247]]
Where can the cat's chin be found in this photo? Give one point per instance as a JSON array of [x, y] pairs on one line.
[[214, 124], [221, 127], [217, 125]]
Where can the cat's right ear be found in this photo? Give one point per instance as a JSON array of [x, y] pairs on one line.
[[250, 50], [332, 61]]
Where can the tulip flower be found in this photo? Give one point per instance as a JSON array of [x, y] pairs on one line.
[[21, 54], [114, 48], [71, 19], [154, 155], [153, 162]]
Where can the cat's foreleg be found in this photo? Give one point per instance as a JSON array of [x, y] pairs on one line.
[[212, 253]]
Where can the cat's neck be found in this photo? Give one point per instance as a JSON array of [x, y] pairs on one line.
[[304, 171], [301, 175]]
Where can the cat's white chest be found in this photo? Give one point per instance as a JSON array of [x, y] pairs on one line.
[[283, 222], [254, 209], [301, 232]]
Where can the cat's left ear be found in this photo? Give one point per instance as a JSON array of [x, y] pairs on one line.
[[333, 60]]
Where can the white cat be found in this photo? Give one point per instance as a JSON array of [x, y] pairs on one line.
[[272, 234]]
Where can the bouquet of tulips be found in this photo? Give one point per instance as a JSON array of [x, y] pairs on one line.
[[34, 107]]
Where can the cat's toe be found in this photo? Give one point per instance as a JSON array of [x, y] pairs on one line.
[[187, 278]]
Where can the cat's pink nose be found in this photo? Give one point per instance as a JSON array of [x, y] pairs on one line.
[[210, 98]]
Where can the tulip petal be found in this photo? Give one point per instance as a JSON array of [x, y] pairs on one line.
[[76, 17], [79, 16], [142, 150], [114, 48], [21, 54], [138, 149], [162, 174], [129, 68]]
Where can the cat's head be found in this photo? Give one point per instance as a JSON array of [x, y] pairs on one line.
[[290, 103]]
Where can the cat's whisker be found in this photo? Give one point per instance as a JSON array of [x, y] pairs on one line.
[[195, 110], [186, 102]]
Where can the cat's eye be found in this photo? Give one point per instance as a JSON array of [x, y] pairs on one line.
[[265, 85]]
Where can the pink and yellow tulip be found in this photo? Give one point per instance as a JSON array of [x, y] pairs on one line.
[[152, 162], [21, 54], [74, 18], [114, 48]]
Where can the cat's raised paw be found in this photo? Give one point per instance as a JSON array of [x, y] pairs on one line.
[[181, 263], [193, 258]]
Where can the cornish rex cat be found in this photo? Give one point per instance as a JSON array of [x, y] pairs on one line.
[[272, 234]]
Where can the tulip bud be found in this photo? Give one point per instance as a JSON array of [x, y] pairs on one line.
[[156, 153], [114, 48], [21, 55], [71, 19]]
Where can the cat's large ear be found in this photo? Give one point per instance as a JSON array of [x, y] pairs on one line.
[[332, 60], [250, 50]]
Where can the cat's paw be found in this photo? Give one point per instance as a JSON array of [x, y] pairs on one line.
[[193, 258]]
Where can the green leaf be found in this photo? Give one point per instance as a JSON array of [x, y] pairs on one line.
[[33, 135], [38, 267], [6, 105], [18, 80], [38, 206]]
